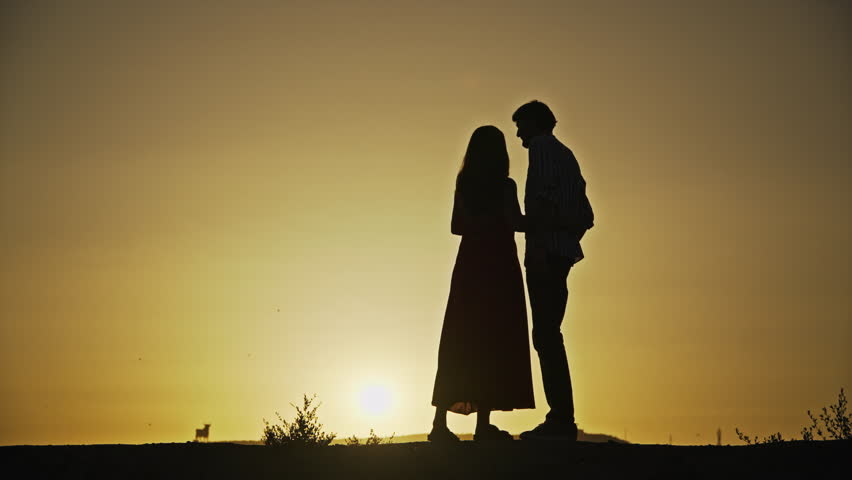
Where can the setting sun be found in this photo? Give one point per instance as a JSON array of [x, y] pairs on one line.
[[375, 399]]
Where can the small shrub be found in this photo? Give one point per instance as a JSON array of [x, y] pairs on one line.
[[304, 431], [774, 438], [836, 425], [373, 439]]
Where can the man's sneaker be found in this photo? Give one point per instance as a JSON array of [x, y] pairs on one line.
[[552, 431], [442, 435], [491, 434]]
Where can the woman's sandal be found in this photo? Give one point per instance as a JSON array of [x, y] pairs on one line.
[[442, 435], [491, 434]]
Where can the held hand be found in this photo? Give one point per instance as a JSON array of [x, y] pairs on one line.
[[546, 223], [536, 258], [537, 223], [542, 216], [543, 223]]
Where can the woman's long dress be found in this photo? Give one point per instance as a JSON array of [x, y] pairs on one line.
[[484, 355]]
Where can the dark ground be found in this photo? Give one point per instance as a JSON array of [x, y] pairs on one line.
[[467, 460]]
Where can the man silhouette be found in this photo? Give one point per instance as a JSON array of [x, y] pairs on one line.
[[558, 215]]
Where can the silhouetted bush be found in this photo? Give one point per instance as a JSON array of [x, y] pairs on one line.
[[373, 439], [835, 421], [774, 438], [836, 425], [304, 431]]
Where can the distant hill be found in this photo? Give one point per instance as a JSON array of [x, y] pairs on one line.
[[598, 437], [421, 437]]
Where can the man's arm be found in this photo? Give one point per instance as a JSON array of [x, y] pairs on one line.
[[558, 201], [578, 216]]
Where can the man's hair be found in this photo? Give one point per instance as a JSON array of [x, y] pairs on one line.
[[537, 113]]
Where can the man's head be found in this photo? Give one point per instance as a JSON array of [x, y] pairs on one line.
[[533, 119]]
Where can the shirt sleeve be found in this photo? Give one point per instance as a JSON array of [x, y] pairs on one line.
[[558, 188]]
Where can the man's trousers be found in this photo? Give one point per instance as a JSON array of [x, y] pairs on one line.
[[548, 293]]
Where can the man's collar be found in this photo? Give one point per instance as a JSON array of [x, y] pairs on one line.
[[539, 138]]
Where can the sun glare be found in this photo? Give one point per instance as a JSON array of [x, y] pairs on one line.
[[375, 399]]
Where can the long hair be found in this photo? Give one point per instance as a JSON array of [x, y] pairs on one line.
[[486, 157], [484, 169]]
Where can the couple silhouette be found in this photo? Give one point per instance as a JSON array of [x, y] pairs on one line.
[[484, 353]]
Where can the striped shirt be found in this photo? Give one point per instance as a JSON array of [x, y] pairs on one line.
[[555, 187]]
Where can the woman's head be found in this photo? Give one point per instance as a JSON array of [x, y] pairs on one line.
[[486, 157]]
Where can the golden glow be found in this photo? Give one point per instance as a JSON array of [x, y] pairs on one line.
[[375, 400], [207, 211]]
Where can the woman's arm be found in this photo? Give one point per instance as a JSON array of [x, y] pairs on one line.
[[457, 222], [512, 209]]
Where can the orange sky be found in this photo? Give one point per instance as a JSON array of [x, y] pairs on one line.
[[208, 211]]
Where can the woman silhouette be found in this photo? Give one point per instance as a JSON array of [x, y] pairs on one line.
[[484, 354]]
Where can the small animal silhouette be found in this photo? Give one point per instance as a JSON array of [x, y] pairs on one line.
[[203, 433]]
